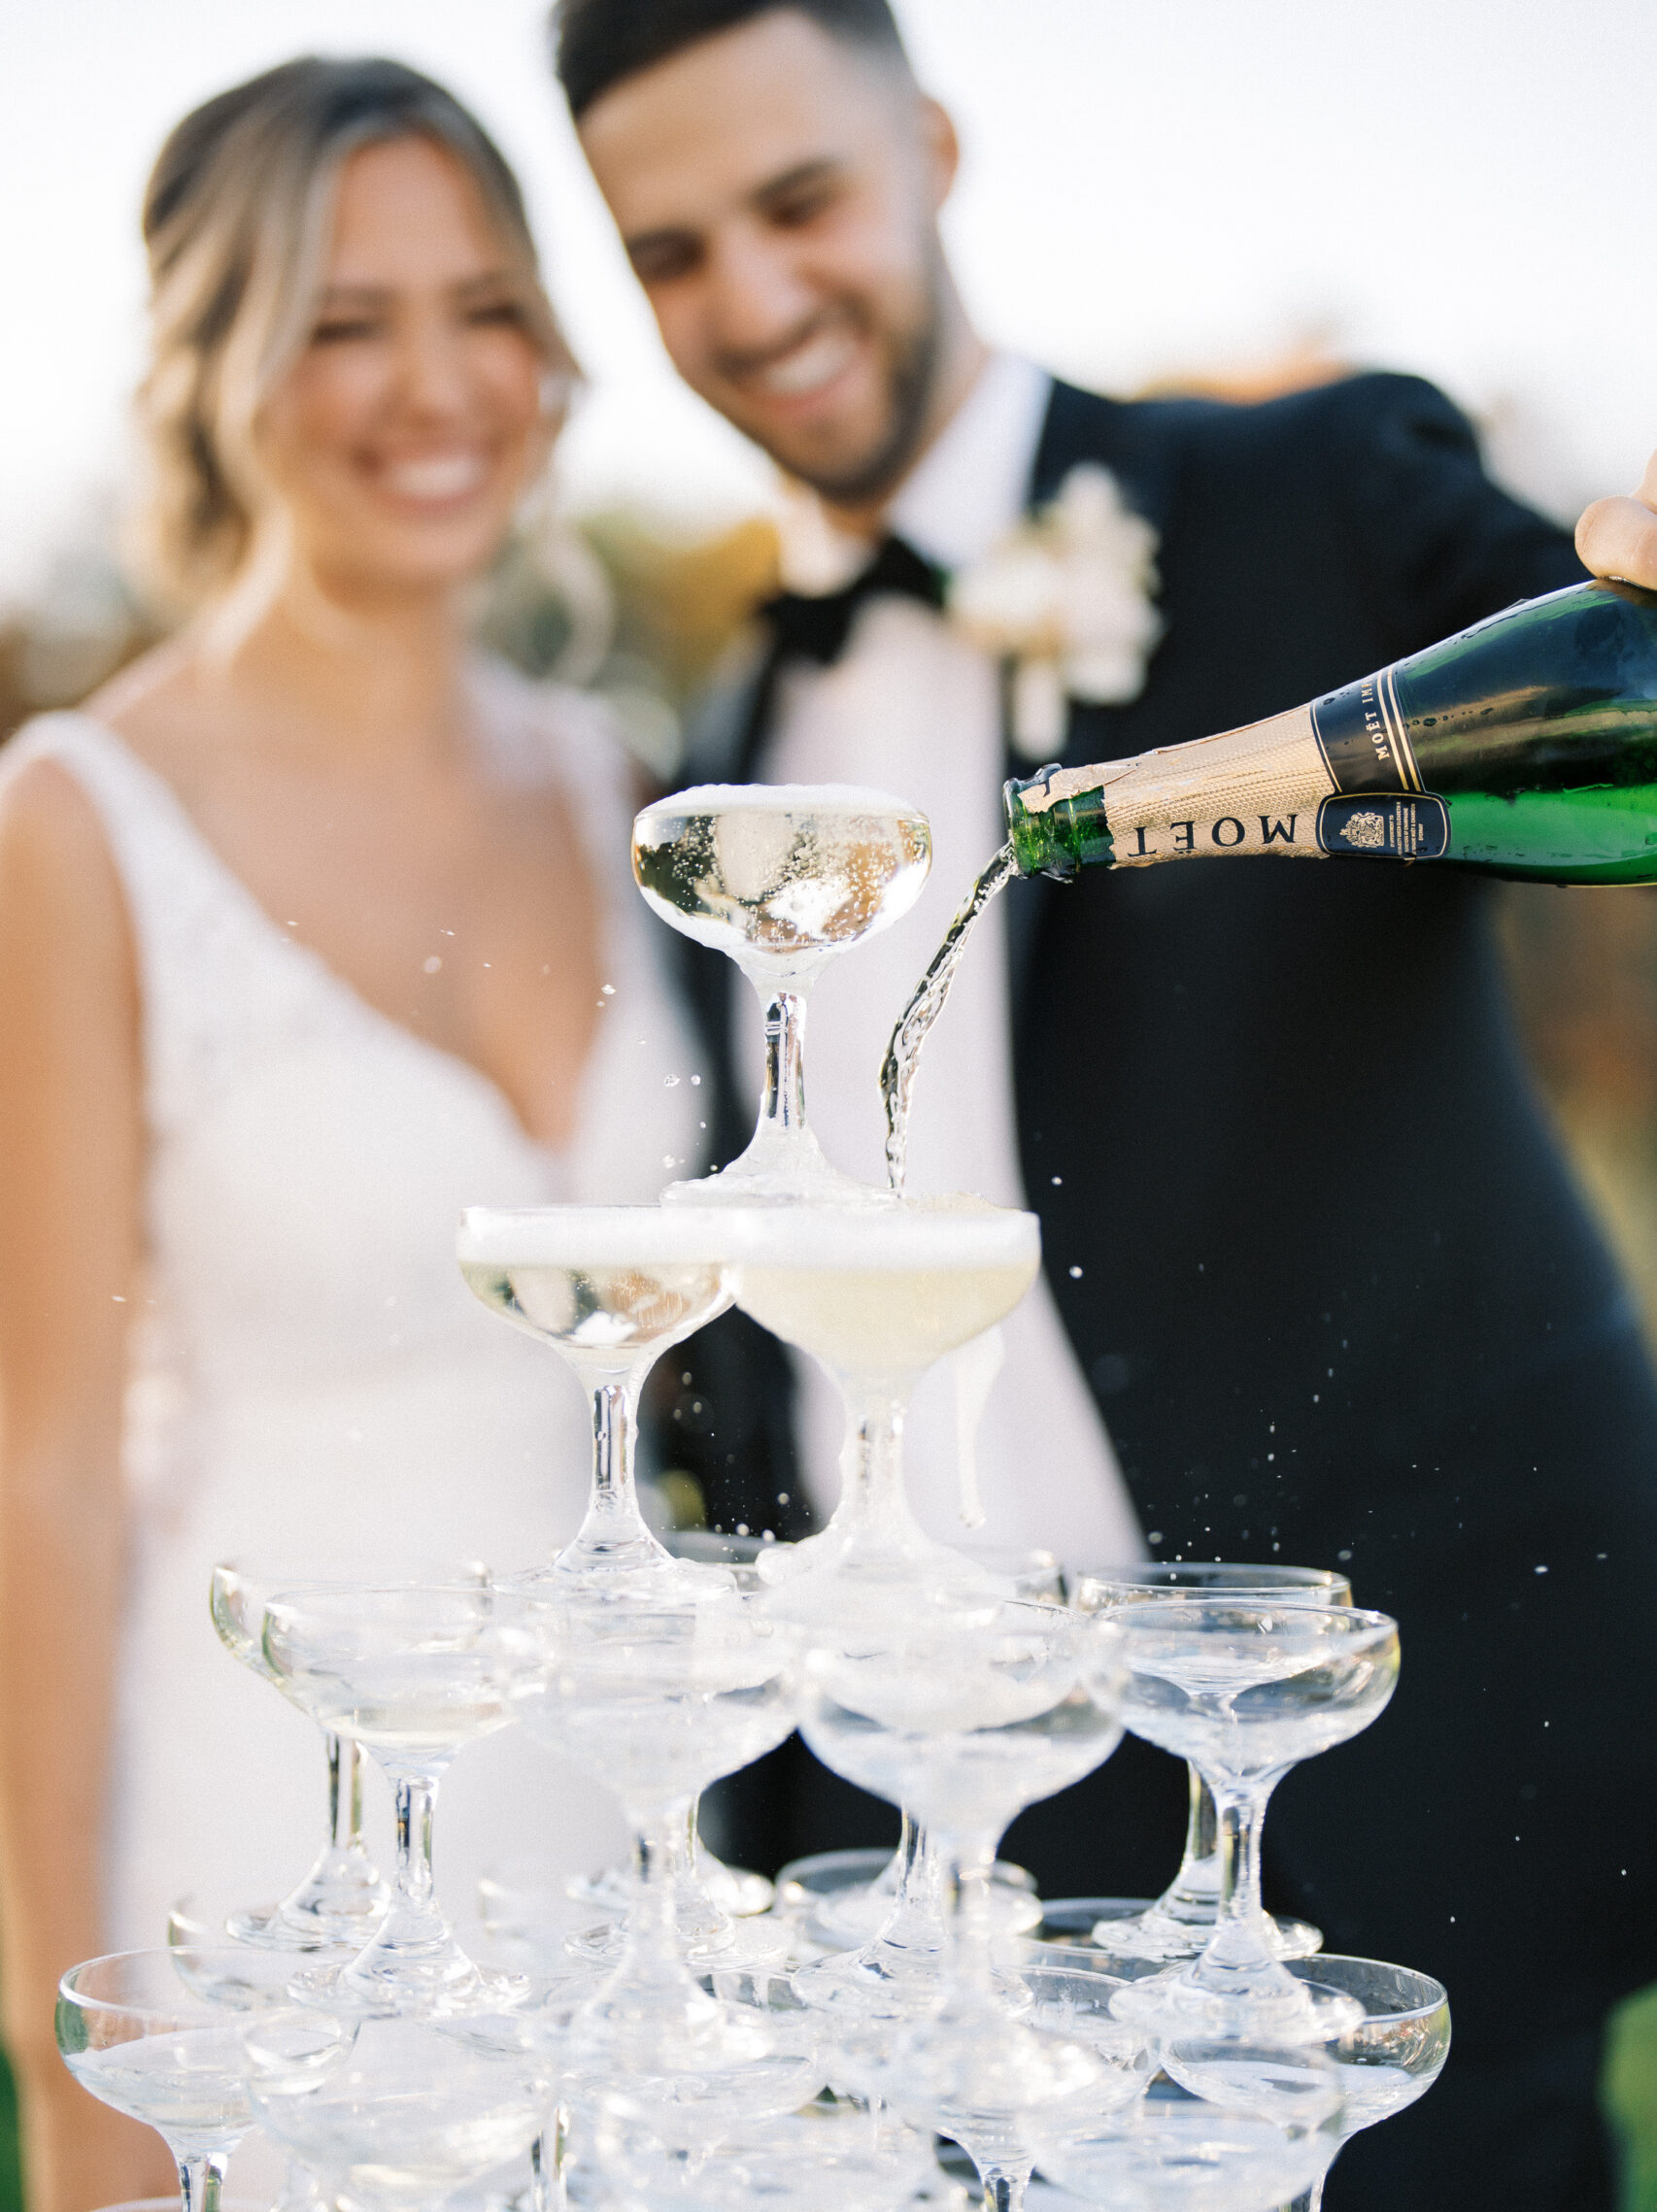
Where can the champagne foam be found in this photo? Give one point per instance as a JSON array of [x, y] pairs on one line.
[[599, 1236], [916, 1236], [777, 799]]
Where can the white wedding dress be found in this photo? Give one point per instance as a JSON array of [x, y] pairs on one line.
[[309, 1371]]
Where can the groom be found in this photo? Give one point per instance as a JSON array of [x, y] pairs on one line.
[[1313, 1267]]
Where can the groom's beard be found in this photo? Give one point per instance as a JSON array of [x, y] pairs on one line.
[[911, 366], [908, 366]]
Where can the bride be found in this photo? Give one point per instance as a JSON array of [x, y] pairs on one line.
[[314, 927]]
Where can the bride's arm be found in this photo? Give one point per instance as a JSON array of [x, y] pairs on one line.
[[70, 1167]]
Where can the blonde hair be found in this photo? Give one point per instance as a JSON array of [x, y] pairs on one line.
[[237, 218]]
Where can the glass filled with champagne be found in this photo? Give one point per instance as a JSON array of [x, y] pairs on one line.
[[780, 877]]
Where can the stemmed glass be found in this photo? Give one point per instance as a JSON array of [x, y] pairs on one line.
[[894, 1971], [341, 1899], [1245, 1690], [658, 1695], [780, 877], [135, 2030], [395, 2114], [876, 1297], [414, 1671], [1394, 2054], [1182, 1920], [1263, 2130], [967, 1711], [610, 1287]]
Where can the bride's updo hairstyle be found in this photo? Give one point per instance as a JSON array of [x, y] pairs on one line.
[[237, 218]]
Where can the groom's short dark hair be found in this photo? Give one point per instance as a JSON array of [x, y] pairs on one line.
[[598, 43]]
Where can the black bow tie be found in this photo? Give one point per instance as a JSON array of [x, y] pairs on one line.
[[817, 629]]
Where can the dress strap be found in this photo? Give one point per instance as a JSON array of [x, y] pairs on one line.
[[216, 978]]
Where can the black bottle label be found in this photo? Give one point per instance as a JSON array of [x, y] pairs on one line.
[[1385, 826], [1360, 734]]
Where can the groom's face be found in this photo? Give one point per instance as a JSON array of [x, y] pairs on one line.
[[777, 191]]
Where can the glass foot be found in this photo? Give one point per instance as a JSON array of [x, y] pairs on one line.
[[856, 1914], [608, 1562], [439, 1982], [968, 2063], [778, 1169], [1154, 1932], [731, 1890], [338, 1906], [1260, 2004]]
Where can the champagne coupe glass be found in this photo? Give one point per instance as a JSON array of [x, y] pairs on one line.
[[396, 2115], [610, 1287], [1072, 2002], [413, 1671], [967, 1710], [658, 1692], [899, 1922], [1246, 1689], [135, 2030], [341, 1899], [876, 1297], [780, 877], [720, 1913], [1267, 2134], [1394, 2054], [1182, 1919]]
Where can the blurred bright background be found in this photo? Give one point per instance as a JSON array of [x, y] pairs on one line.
[[1460, 187], [1233, 195]]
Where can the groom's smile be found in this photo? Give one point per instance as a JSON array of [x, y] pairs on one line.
[[779, 206]]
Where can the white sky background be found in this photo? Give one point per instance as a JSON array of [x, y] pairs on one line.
[[1458, 187]]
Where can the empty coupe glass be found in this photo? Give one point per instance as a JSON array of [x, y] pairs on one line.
[[135, 2030], [656, 1694], [395, 2114], [414, 1671], [1182, 1919], [1394, 2054], [1245, 1690], [969, 1712], [341, 1899], [780, 877], [1250, 2149]]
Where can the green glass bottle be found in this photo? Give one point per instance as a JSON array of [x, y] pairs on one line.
[[1526, 746]]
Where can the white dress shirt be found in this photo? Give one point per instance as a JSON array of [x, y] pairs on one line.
[[911, 708]]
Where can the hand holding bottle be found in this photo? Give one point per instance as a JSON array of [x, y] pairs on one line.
[[1618, 537]]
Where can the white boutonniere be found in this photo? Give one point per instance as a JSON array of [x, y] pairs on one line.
[[1067, 601]]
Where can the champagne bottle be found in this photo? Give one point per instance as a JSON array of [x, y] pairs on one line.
[[1525, 746]]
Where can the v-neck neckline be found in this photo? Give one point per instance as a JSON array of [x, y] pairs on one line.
[[322, 969]]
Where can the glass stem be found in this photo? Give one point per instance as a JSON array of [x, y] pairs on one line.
[[416, 1797], [549, 2159], [200, 2179], [1005, 2186], [964, 1865], [658, 1841], [345, 1793], [1189, 1898], [873, 1501], [613, 1522], [1242, 1933], [782, 1107]]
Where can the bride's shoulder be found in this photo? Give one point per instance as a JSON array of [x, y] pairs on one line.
[[545, 732]]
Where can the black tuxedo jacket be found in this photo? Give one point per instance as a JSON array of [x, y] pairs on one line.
[[1337, 1300]]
